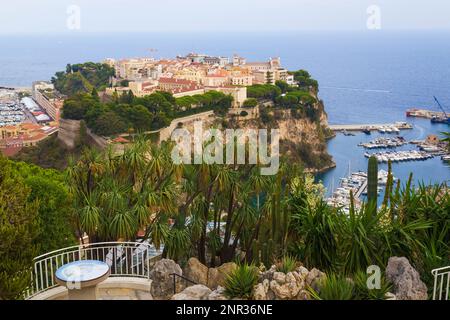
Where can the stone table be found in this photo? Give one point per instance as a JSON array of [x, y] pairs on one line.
[[82, 277]]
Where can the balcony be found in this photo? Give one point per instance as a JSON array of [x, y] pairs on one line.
[[129, 264]]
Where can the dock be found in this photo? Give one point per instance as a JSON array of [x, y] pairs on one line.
[[422, 113], [371, 127]]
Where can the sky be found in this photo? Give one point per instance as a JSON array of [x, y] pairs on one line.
[[94, 16]]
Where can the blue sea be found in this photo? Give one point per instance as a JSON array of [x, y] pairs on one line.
[[365, 77]]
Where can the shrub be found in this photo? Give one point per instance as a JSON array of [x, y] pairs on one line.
[[240, 282], [334, 287], [287, 264], [362, 292]]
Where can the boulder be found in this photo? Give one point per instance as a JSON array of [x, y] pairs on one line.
[[217, 276], [218, 294], [197, 292], [314, 278], [405, 279], [196, 271], [260, 290], [162, 281], [287, 287]]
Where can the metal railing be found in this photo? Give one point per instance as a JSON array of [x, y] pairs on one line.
[[186, 281], [441, 283], [125, 259]]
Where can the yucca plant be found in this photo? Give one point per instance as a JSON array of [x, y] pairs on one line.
[[362, 291], [287, 264], [334, 287], [240, 282]]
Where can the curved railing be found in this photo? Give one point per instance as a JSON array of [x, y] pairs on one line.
[[125, 259], [441, 290]]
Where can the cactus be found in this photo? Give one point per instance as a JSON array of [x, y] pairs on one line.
[[372, 180], [255, 252], [389, 185]]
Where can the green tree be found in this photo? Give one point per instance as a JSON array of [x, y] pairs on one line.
[[18, 233], [250, 103]]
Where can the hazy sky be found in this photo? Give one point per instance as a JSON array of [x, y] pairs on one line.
[[50, 16]]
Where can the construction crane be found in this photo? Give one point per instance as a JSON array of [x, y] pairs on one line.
[[437, 119]]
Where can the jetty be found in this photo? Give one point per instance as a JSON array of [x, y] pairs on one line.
[[371, 127], [423, 113]]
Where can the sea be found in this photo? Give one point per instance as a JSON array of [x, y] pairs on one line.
[[364, 77]]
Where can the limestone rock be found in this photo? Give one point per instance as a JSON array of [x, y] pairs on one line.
[[162, 281], [314, 277], [197, 292], [218, 294], [261, 290], [390, 296], [405, 279], [196, 271], [217, 276]]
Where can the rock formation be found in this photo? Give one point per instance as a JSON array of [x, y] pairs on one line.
[[162, 279], [405, 279]]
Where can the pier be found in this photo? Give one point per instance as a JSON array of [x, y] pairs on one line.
[[370, 127]]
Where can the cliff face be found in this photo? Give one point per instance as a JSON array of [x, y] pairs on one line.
[[302, 137]]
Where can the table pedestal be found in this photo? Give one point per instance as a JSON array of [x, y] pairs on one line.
[[89, 293]]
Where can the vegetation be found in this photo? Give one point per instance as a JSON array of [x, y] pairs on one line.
[[34, 218], [250, 103], [240, 282], [372, 180], [304, 80], [287, 264], [83, 78], [148, 113], [18, 232], [335, 287]]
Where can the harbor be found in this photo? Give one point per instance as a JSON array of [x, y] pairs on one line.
[[382, 143], [355, 183], [367, 128]]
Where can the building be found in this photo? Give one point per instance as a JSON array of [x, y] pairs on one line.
[[48, 98]]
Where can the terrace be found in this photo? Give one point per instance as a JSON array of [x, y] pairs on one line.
[[129, 264]]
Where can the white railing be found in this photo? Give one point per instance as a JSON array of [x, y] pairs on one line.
[[125, 259], [441, 283]]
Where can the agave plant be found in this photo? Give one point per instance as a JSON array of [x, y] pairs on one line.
[[287, 264], [240, 282], [363, 292], [334, 287]]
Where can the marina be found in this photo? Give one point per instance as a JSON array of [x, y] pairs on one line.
[[399, 156], [382, 143], [356, 184], [368, 128]]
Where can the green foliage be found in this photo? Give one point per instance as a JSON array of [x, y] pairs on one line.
[[18, 233], [142, 114], [250, 103], [362, 292], [304, 80], [263, 91], [240, 282], [287, 264], [284, 87], [83, 78], [334, 287]]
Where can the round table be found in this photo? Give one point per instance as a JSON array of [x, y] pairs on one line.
[[82, 277]]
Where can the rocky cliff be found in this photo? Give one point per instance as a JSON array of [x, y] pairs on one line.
[[303, 135]]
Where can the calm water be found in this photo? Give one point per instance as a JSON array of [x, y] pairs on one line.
[[364, 77]]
